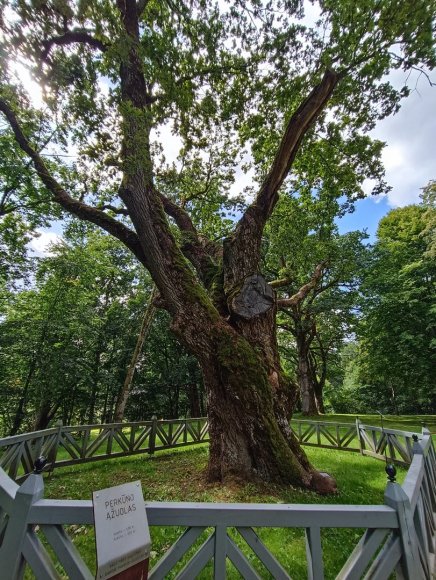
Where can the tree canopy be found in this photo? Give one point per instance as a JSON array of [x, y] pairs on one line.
[[399, 324]]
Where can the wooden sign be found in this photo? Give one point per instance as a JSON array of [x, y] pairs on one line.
[[121, 533]]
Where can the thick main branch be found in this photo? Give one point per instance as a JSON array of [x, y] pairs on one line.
[[70, 204], [192, 247], [243, 252], [79, 36]]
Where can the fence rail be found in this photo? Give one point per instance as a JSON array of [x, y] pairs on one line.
[[399, 536], [70, 445]]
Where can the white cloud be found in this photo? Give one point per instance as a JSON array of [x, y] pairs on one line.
[[409, 156], [40, 245], [170, 142]]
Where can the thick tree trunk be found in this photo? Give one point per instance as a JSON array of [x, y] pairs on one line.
[[305, 383], [247, 441], [249, 429]]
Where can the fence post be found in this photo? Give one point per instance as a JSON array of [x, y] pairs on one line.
[[417, 448], [153, 431], [396, 498], [11, 551], [53, 453], [358, 435]]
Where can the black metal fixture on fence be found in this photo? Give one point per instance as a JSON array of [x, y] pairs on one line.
[[391, 471], [40, 463]]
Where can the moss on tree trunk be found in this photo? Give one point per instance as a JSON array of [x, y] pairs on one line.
[[247, 440]]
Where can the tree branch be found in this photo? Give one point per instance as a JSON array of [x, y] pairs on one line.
[[298, 124], [250, 226], [302, 293], [117, 210], [280, 282], [60, 195], [192, 247], [80, 36], [179, 215], [288, 328]]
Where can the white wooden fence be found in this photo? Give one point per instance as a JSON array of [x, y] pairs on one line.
[[69, 445], [399, 536]]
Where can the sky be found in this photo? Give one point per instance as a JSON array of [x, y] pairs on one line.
[[409, 156]]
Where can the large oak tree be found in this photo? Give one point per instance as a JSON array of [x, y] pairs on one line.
[[226, 77]]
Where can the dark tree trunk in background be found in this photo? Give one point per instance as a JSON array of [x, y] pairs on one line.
[[394, 400], [18, 416], [195, 406], [20, 412], [123, 395], [304, 374], [173, 393], [45, 414], [319, 376], [318, 387]]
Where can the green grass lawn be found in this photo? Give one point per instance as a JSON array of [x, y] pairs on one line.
[[178, 475]]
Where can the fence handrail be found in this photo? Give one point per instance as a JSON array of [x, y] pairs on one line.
[[70, 512], [33, 435], [11, 439]]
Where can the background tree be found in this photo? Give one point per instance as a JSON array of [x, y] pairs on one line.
[[24, 206], [65, 327], [394, 366], [317, 274], [143, 333], [66, 345], [168, 380], [429, 202], [245, 75]]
